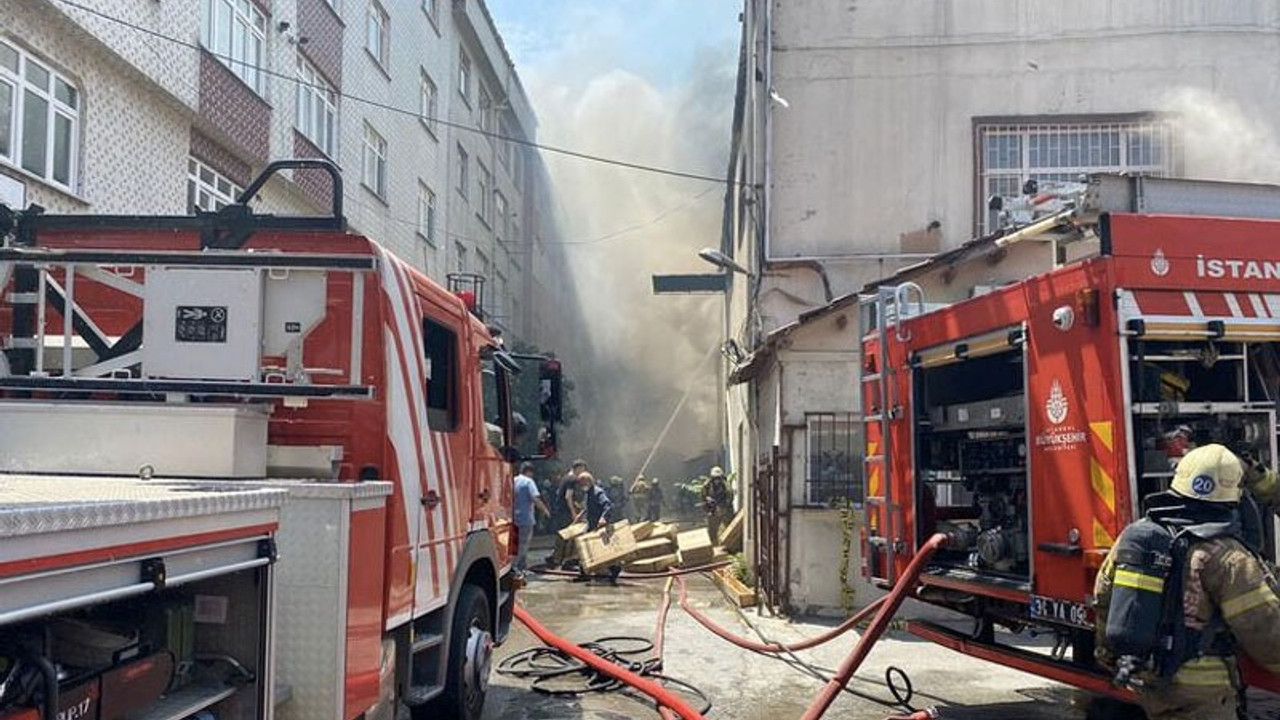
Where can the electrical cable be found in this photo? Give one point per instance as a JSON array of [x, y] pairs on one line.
[[402, 111]]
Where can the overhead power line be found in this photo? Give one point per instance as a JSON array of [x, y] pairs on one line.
[[412, 113]]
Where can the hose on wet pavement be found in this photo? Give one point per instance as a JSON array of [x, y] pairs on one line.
[[604, 665], [671, 705]]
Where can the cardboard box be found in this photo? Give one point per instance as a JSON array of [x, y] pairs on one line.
[[602, 548], [695, 547], [652, 565]]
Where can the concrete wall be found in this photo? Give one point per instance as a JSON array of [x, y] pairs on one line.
[[877, 140]]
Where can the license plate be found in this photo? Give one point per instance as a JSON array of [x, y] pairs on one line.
[[1061, 611]]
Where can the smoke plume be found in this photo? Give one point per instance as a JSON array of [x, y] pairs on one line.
[[637, 352], [1220, 139]]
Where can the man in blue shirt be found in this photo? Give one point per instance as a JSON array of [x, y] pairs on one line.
[[526, 499], [599, 515]]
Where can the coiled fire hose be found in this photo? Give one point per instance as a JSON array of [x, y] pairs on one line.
[[671, 705]]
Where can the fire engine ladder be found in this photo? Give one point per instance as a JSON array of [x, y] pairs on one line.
[[882, 315]]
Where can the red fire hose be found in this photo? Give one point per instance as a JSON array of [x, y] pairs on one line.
[[670, 705], [893, 601], [749, 644], [648, 687]]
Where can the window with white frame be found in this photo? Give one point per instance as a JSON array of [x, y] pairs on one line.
[[373, 168], [484, 180], [464, 75], [500, 215], [235, 31], [426, 213], [378, 33], [39, 117], [208, 189], [1012, 151], [317, 108], [482, 264], [428, 102], [833, 449], [464, 170]]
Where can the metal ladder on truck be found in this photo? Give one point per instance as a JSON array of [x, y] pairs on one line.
[[880, 407]]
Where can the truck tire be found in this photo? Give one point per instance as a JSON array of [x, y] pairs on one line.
[[470, 655]]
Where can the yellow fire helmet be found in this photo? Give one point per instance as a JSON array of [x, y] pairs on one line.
[[717, 472], [1210, 473]]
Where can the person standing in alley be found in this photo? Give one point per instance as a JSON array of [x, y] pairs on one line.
[[716, 502], [653, 506], [567, 509], [599, 514], [618, 496], [527, 498], [639, 492]]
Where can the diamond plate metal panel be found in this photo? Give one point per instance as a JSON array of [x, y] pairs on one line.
[[311, 604], [31, 505]]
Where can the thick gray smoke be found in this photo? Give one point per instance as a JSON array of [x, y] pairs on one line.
[[1220, 139], [637, 352]]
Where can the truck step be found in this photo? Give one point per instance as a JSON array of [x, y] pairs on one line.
[[504, 597], [420, 694], [425, 641]]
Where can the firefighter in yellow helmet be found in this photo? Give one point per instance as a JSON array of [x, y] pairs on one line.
[[1182, 592], [717, 502]]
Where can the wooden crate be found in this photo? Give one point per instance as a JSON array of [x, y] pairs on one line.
[[602, 548], [573, 531], [653, 564], [653, 547], [642, 530], [695, 547], [731, 535]]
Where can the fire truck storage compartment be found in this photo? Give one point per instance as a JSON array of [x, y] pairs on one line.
[[1186, 393], [971, 457], [202, 323], [136, 619], [189, 440]]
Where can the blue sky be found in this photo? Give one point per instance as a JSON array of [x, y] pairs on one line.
[[655, 39]]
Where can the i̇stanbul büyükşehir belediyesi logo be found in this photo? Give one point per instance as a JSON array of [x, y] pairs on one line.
[[1159, 263], [1056, 407]]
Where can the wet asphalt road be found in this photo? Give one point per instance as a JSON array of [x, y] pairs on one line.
[[745, 686]]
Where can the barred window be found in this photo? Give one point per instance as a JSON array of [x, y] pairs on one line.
[[834, 459], [1012, 152]]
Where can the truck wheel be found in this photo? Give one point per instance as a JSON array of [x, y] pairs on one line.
[[470, 656]]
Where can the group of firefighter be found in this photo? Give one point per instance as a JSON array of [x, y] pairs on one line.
[[580, 497]]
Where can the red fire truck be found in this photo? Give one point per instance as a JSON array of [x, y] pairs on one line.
[[1071, 362], [183, 400]]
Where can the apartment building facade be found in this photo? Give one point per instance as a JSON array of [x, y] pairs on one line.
[[873, 134], [137, 107]]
